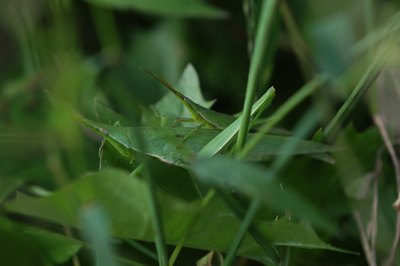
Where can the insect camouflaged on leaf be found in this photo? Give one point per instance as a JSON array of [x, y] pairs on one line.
[[200, 114]]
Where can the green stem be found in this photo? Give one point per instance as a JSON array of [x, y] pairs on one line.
[[253, 230], [369, 15], [142, 249], [137, 170], [264, 26], [157, 223], [286, 257], [369, 27], [362, 87], [244, 226], [304, 125], [192, 221], [299, 46], [156, 219], [106, 29], [298, 97]]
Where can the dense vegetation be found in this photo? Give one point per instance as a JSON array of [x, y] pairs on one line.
[[93, 173]]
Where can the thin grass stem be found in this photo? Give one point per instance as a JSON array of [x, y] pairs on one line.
[[106, 29], [149, 253], [253, 230], [192, 221], [158, 228], [361, 88], [244, 226], [264, 26], [277, 116], [299, 45], [137, 170]]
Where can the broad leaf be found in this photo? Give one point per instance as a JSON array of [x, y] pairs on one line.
[[214, 229], [165, 144], [25, 245], [95, 230], [181, 185], [188, 85], [107, 116], [111, 158], [256, 181]]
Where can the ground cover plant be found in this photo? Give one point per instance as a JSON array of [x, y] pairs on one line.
[[294, 162]]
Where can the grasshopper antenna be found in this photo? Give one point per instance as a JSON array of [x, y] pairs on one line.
[[163, 81]]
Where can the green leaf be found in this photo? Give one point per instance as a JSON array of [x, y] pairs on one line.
[[256, 181], [211, 259], [165, 144], [188, 85], [216, 144], [109, 155], [171, 8], [150, 117], [111, 158], [318, 136], [181, 185], [107, 116], [174, 181], [214, 230], [95, 231], [358, 158], [24, 245]]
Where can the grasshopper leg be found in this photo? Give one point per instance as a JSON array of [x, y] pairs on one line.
[[183, 119]]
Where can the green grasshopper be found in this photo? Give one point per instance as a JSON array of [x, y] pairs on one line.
[[204, 116]]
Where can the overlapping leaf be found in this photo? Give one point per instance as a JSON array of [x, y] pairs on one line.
[[25, 245], [214, 229], [189, 85], [165, 144], [256, 182]]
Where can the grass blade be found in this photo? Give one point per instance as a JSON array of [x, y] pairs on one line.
[[299, 96], [362, 87], [305, 124], [95, 225], [192, 221], [158, 227], [264, 25], [149, 253], [253, 230], [244, 226], [217, 143], [299, 46]]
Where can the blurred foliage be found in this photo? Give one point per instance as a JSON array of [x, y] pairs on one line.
[[61, 55]]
